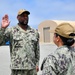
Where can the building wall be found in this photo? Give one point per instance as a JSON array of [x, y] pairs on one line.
[[60, 21], [45, 29]]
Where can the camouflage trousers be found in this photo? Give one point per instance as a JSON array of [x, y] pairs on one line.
[[24, 72]]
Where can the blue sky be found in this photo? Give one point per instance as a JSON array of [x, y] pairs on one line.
[[40, 10]]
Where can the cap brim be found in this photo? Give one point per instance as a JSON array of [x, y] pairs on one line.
[[27, 12]]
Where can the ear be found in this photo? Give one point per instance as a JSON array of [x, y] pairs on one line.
[[18, 17], [58, 38]]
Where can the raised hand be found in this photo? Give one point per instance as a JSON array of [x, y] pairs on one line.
[[5, 21]]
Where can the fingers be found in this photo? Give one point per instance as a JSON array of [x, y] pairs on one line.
[[5, 17], [5, 21], [37, 68]]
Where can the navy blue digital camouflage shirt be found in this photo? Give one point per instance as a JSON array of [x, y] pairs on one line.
[[61, 62], [24, 46]]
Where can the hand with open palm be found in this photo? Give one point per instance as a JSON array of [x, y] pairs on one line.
[[5, 21]]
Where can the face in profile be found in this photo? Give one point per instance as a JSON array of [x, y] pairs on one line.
[[55, 39]]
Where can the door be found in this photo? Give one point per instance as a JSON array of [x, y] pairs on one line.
[[46, 34]]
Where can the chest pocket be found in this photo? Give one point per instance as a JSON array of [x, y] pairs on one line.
[[17, 40]]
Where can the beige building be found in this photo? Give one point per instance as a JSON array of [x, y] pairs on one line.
[[45, 27]]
